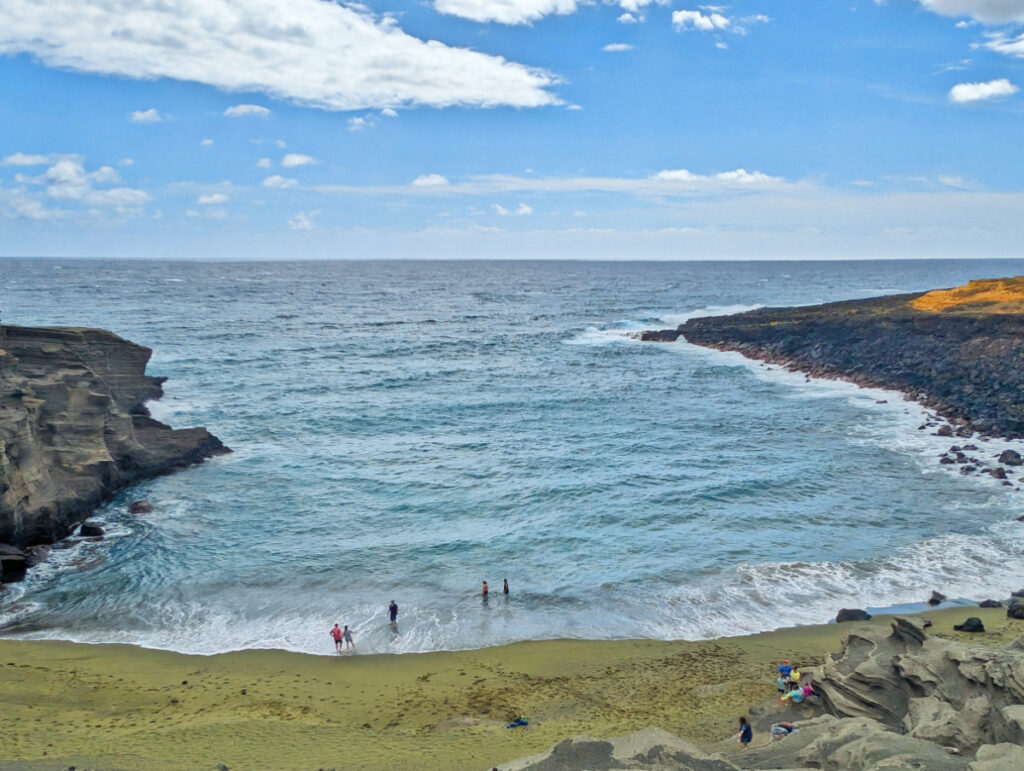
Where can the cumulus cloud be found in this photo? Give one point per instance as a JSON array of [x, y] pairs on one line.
[[359, 123], [264, 163], [321, 54], [522, 210], [291, 160], [1002, 43], [303, 220], [26, 159], [628, 18], [736, 177], [617, 47], [276, 180], [152, 115], [246, 111], [212, 199], [67, 180], [206, 142], [527, 11], [387, 112], [697, 20], [963, 93], [430, 180], [985, 11]]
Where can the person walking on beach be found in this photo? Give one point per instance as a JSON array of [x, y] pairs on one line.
[[746, 733], [347, 634], [336, 634], [505, 588], [393, 613], [485, 591]]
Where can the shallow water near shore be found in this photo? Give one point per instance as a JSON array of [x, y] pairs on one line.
[[406, 430]]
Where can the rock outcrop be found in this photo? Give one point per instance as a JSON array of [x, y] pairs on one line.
[[74, 429], [965, 359]]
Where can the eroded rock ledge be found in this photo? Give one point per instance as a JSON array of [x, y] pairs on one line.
[[962, 357], [74, 429]]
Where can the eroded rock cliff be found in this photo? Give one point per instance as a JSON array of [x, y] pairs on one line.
[[74, 429]]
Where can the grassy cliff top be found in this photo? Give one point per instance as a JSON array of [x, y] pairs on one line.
[[997, 295]]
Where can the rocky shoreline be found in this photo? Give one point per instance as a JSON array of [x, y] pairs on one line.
[[74, 429], [964, 361]]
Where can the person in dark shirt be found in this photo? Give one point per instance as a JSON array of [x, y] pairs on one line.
[[505, 589], [393, 612], [746, 733]]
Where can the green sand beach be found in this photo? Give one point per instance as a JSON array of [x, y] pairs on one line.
[[122, 707]]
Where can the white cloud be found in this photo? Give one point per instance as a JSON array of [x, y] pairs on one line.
[[276, 180], [67, 180], [291, 160], [212, 199], [126, 162], [697, 20], [264, 163], [985, 11], [430, 180], [963, 93], [628, 18], [1002, 43], [280, 143], [505, 11], [359, 123], [387, 112], [737, 177], [27, 159], [303, 220], [152, 115], [523, 210], [617, 47], [246, 111], [206, 142], [320, 54]]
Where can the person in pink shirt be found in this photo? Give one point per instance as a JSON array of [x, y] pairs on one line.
[[336, 634]]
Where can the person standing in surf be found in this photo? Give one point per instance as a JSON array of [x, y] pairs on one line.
[[393, 613], [347, 634], [505, 588], [485, 591], [336, 634]]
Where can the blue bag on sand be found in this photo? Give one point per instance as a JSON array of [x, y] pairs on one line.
[[520, 722]]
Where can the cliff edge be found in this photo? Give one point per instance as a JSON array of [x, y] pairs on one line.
[[959, 351], [74, 429]]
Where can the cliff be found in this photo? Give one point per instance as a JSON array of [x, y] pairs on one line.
[[74, 430], [958, 351]]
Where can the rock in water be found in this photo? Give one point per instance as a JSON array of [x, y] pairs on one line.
[[88, 530], [973, 624], [990, 604], [140, 507], [1011, 458], [1015, 610], [13, 564], [660, 336], [936, 598], [74, 429], [852, 614]]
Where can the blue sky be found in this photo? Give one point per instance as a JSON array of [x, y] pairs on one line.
[[512, 129]]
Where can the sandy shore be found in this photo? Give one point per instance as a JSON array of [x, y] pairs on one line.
[[117, 706]]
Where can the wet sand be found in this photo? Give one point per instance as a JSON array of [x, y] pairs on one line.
[[118, 706]]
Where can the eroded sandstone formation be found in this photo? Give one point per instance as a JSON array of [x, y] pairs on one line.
[[74, 429]]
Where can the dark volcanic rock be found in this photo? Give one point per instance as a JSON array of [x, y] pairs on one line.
[[964, 363], [852, 614], [936, 598], [13, 564], [990, 604], [1011, 458], [140, 507], [973, 624], [660, 335], [1016, 610], [73, 429], [91, 531], [944, 431], [999, 472]]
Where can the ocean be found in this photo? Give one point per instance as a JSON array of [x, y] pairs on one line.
[[406, 430]]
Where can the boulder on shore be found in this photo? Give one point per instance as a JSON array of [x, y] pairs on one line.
[[140, 507], [1011, 458], [990, 604], [13, 564], [660, 336], [973, 624], [852, 614], [88, 530], [936, 598]]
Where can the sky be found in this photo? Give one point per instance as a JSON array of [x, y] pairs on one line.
[[540, 129]]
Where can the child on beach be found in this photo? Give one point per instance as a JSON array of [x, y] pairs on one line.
[[746, 733], [486, 590], [347, 634], [336, 634]]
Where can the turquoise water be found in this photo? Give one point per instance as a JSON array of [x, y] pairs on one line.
[[407, 430]]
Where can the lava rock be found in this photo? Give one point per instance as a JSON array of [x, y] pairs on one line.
[[91, 531], [1018, 593], [998, 472], [936, 598], [852, 614], [13, 564], [36, 555], [140, 507], [1011, 458], [1016, 610], [947, 461], [970, 448], [944, 431], [990, 604], [973, 624], [660, 336]]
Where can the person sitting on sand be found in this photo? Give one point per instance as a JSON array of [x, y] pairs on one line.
[[794, 678], [336, 634], [393, 612], [794, 697], [486, 590], [746, 733], [782, 730], [347, 634], [505, 588]]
